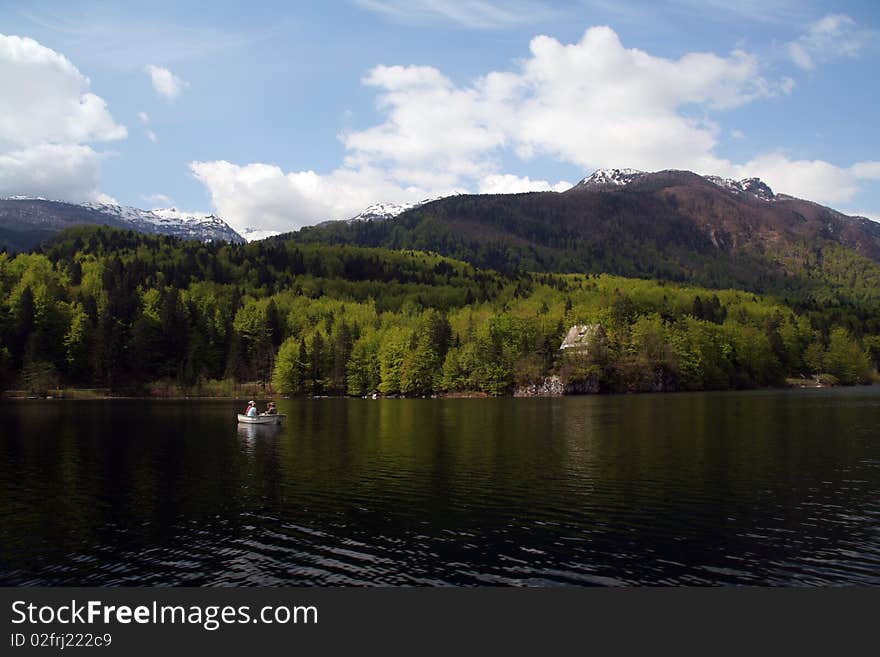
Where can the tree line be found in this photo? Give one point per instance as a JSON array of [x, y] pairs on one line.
[[102, 307]]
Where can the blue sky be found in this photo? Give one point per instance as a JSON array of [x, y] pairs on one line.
[[278, 114]]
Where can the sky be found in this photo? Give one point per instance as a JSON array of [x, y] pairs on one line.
[[277, 115]]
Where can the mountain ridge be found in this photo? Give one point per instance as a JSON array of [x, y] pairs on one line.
[[28, 221], [603, 179], [673, 225]]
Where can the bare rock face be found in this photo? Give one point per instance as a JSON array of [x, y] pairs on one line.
[[584, 337], [550, 386], [583, 386]]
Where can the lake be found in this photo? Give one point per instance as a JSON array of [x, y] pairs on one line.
[[766, 487]]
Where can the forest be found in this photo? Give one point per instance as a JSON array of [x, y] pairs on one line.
[[639, 235], [136, 314]]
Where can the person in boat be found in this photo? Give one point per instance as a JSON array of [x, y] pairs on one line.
[[251, 409], [271, 410]]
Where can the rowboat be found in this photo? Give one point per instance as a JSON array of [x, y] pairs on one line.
[[275, 418]]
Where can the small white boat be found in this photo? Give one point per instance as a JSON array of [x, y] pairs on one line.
[[274, 418]]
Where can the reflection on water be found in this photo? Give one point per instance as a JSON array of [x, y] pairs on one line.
[[739, 488], [251, 432]]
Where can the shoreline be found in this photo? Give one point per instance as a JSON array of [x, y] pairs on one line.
[[91, 394]]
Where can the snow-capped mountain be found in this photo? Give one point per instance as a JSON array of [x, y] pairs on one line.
[[615, 178], [27, 221], [383, 211], [200, 226], [251, 234], [604, 178], [754, 186]]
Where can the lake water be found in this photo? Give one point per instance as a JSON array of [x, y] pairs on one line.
[[777, 488]]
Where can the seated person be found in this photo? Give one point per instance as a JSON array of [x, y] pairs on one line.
[[251, 409]]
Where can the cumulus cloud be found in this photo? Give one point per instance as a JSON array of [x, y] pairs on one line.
[[594, 103], [265, 197], [835, 35], [165, 83], [509, 184], [46, 99], [47, 124], [67, 172], [815, 180], [866, 170], [811, 179], [591, 103]]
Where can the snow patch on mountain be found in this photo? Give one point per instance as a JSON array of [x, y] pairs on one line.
[[754, 186], [171, 221], [20, 197], [383, 211], [615, 178], [610, 178], [251, 234]]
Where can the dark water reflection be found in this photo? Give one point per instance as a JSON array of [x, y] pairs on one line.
[[741, 488]]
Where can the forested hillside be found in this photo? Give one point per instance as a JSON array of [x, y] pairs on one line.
[[675, 226], [102, 307]]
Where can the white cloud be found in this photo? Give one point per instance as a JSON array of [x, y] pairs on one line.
[[67, 172], [158, 200], [815, 180], [866, 170], [509, 184], [591, 104], [834, 35], [873, 216], [265, 197], [475, 14], [105, 198], [165, 83], [145, 119], [46, 125], [46, 99]]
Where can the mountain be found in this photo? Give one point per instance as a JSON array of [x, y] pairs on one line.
[[673, 225], [26, 222], [609, 179], [746, 215], [382, 211], [251, 234], [379, 212]]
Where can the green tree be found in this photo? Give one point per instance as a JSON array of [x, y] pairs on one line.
[[392, 353], [363, 366], [814, 357], [287, 376], [78, 344], [846, 359]]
